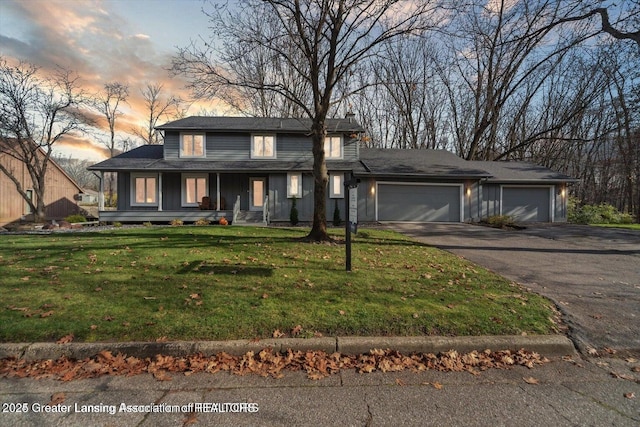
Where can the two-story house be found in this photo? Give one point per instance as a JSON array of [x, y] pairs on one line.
[[251, 169]]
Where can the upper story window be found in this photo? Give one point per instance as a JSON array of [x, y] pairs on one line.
[[192, 145], [144, 191], [333, 147], [263, 146]]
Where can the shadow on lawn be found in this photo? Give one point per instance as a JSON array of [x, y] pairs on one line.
[[207, 268]]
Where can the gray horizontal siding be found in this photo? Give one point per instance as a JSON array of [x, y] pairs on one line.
[[237, 146]]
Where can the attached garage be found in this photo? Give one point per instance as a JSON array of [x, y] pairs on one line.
[[419, 202], [527, 204]]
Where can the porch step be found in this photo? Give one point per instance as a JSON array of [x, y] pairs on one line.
[[249, 218]]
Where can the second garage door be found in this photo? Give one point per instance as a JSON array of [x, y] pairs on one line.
[[422, 203], [527, 204]]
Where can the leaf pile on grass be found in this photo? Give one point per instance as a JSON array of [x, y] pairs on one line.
[[220, 283], [317, 364]]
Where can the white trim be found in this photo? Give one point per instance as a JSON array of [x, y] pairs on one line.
[[424, 184], [298, 191], [551, 189], [324, 143], [160, 191], [253, 141], [204, 145], [183, 188], [132, 186]]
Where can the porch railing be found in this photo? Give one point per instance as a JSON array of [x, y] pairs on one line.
[[236, 209]]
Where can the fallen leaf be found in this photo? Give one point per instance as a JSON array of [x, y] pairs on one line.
[[65, 339], [295, 331], [530, 380], [162, 376], [107, 318], [162, 339], [194, 296], [46, 314], [191, 419], [400, 382], [437, 385], [635, 369], [93, 327], [630, 360], [630, 395], [265, 296], [57, 398], [277, 334], [342, 312]]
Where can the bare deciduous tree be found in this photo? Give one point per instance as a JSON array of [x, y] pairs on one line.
[[318, 42], [108, 103], [36, 111], [158, 107]]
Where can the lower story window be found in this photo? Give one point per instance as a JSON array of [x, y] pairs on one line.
[[194, 188], [145, 190], [294, 185], [336, 185]]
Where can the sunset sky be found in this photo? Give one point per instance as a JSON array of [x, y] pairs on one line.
[[103, 41]]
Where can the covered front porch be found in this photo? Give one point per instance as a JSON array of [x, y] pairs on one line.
[[161, 197]]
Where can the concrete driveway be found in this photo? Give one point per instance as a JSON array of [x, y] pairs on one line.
[[592, 274]]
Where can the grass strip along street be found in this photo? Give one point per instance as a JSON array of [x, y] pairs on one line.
[[219, 283]]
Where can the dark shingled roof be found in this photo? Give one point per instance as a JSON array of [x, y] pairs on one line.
[[507, 171], [418, 163], [254, 124]]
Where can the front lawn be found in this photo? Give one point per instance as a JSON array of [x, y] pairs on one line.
[[216, 283]]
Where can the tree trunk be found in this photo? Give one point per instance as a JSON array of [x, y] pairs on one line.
[[318, 231]]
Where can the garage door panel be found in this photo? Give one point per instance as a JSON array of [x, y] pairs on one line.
[[426, 203], [526, 204]]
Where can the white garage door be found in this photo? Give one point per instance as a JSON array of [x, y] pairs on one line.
[[527, 204], [423, 203]]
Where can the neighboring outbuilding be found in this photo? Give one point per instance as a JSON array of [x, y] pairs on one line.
[[60, 197], [250, 169]]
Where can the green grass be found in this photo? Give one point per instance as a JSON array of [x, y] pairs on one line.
[[213, 283], [625, 226]]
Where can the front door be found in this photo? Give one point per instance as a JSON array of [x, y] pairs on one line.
[[257, 193]]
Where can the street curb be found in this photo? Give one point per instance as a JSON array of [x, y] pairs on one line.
[[546, 345]]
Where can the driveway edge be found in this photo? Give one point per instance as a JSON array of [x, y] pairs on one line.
[[546, 345]]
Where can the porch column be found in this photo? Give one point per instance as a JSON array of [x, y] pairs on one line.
[[159, 191], [101, 192], [217, 191]]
